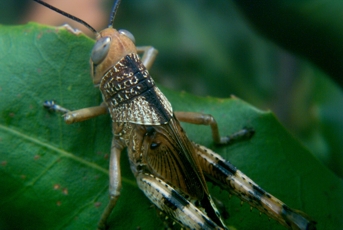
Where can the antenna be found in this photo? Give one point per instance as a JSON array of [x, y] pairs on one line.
[[113, 14], [69, 15]]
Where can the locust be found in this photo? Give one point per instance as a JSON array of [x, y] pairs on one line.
[[171, 170]]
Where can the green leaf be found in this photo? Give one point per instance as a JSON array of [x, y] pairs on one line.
[[54, 176]]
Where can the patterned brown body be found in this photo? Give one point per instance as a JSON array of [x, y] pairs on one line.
[[143, 120], [170, 169], [159, 150], [131, 95]]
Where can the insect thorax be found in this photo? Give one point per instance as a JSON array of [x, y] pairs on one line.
[[131, 95]]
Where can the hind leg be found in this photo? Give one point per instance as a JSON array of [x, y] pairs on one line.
[[228, 177]]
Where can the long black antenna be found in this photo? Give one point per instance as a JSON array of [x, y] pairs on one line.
[[113, 14], [67, 15]]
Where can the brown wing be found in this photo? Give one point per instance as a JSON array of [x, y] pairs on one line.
[[169, 154]]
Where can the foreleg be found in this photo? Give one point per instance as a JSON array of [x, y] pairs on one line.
[[77, 115], [149, 55]]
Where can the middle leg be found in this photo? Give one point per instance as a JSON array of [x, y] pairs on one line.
[[115, 182], [207, 119]]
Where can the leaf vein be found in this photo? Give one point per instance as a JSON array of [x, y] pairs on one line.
[[61, 152]]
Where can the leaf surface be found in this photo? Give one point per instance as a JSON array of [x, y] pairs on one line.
[[55, 176]]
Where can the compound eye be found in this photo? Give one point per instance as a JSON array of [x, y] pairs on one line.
[[127, 34], [100, 50]]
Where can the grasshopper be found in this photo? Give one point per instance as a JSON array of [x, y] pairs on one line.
[[170, 169]]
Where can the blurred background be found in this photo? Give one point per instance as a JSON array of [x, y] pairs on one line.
[[284, 56]]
